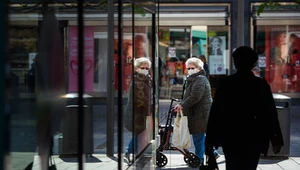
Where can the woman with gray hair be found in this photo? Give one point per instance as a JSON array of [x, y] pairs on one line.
[[140, 62], [196, 102], [139, 102]]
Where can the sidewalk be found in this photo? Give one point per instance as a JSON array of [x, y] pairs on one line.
[[175, 159]]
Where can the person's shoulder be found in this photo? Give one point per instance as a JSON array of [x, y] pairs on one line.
[[262, 81], [259, 79]]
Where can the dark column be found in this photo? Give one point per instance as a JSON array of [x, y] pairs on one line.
[[80, 82], [110, 81], [247, 24], [233, 29], [240, 23], [120, 86], [4, 116]]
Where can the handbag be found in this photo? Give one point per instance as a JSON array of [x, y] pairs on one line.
[[181, 134]]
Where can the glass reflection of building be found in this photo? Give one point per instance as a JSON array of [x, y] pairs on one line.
[[180, 31]]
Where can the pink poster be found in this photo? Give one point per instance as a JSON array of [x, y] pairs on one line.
[[88, 59]]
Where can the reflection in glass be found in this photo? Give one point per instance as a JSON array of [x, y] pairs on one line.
[[279, 56]]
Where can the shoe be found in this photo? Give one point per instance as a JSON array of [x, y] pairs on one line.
[[127, 156], [217, 156]]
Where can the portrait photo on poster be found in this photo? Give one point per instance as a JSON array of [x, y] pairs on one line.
[[217, 55], [216, 45]]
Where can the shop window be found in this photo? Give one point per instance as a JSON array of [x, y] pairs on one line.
[[174, 50], [279, 57], [218, 54], [23, 49]]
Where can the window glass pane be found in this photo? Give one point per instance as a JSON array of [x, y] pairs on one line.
[[174, 50], [218, 54], [44, 77], [143, 75], [38, 73], [138, 73], [278, 48]]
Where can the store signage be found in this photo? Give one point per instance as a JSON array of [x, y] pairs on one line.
[[88, 59]]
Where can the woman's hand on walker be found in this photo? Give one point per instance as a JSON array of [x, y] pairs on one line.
[[178, 107]]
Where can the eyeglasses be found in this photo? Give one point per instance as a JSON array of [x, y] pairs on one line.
[[192, 68], [144, 68]]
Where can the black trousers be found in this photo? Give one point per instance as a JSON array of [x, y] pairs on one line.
[[245, 158]]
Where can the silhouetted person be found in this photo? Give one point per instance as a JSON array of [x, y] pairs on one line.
[[243, 117], [50, 83], [14, 93], [31, 79], [205, 65]]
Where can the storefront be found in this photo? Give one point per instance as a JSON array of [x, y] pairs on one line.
[[277, 40], [189, 30]]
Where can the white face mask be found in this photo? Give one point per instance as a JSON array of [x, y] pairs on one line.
[[190, 72], [143, 71]]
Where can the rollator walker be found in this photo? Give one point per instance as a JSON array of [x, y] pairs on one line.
[[165, 131]]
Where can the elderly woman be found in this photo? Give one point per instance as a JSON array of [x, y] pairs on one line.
[[141, 89], [196, 103]]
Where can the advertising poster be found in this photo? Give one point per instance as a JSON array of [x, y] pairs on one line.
[[88, 59], [294, 48], [217, 55], [31, 59], [171, 67], [172, 52], [141, 44]]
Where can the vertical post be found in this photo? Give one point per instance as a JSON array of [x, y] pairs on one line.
[[45, 7], [120, 87], [241, 23], [80, 153], [110, 80], [133, 79], [3, 73], [155, 72]]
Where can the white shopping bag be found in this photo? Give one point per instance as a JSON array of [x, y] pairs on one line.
[[181, 134]]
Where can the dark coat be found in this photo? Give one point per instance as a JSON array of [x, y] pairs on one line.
[[140, 104], [243, 114], [196, 102], [206, 68]]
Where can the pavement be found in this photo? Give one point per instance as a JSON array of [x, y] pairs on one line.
[[24, 149], [281, 162]]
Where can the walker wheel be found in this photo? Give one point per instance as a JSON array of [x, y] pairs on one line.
[[161, 159], [192, 160]]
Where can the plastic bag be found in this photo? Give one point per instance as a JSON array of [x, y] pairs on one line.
[[181, 135]]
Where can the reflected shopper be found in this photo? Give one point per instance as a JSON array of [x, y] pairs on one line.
[[50, 86], [138, 106], [205, 65]]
